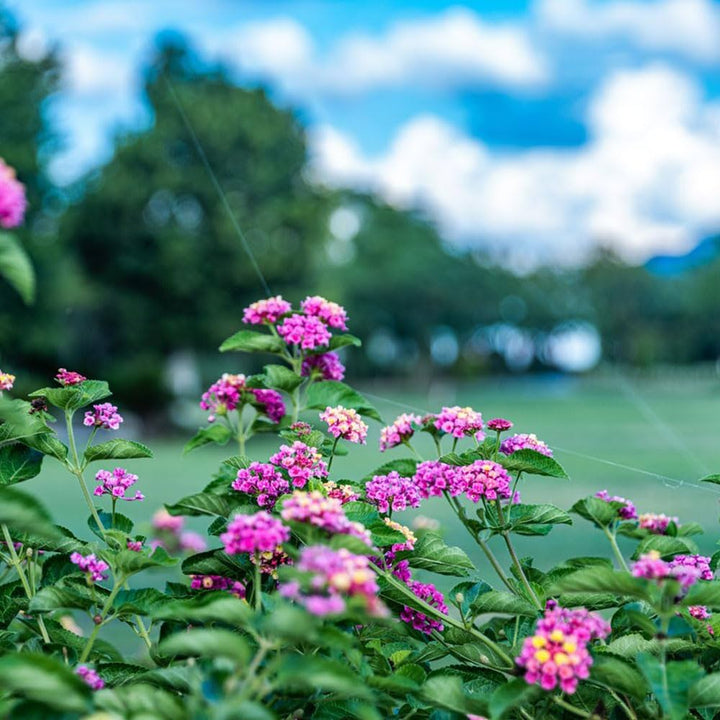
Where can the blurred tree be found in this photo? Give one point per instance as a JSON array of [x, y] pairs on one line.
[[167, 268]]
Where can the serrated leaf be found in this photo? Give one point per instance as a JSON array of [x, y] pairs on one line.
[[252, 341], [74, 397], [535, 519], [117, 449], [312, 673], [280, 377], [704, 593], [68, 593], [432, 553], [331, 393], [18, 463], [22, 513], [217, 433], [502, 602], [211, 607], [600, 579], [446, 691], [532, 462], [130, 562], [16, 267], [671, 683], [343, 340], [667, 546], [508, 696], [599, 512], [706, 691], [141, 601], [405, 467], [619, 675], [206, 643], [203, 504]]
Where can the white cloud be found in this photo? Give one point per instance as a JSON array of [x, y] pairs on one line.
[[453, 48], [92, 72], [689, 28], [647, 181]]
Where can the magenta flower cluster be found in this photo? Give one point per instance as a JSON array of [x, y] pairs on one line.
[[656, 524], [342, 492], [271, 404], [217, 582], [266, 311], [90, 677], [345, 423], [306, 332], [686, 569], [626, 512], [392, 492], [335, 576], [169, 529], [399, 432], [90, 564], [13, 202], [116, 484], [329, 312], [433, 478], [325, 366], [69, 377], [264, 481], [256, 533], [223, 396], [322, 512], [499, 424], [419, 620], [524, 442], [481, 479], [301, 462], [6, 381], [103, 416], [460, 422], [557, 653]]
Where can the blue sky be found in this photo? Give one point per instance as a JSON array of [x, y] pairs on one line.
[[533, 128]]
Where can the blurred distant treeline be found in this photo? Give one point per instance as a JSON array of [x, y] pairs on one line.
[[138, 263]]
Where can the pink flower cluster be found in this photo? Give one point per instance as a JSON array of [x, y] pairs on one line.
[[419, 620], [330, 312], [307, 332], [392, 492], [524, 442], [410, 538], [264, 481], [170, 536], [256, 533], [433, 477], [91, 565], [627, 512], [399, 432], [103, 416], [336, 575], [656, 524], [271, 404], [270, 561], [481, 479], [90, 677], [134, 545], [345, 423], [499, 424], [460, 422], [686, 569], [325, 366], [266, 311], [557, 653], [301, 462], [343, 493], [217, 582], [116, 484], [323, 512], [6, 381], [223, 396], [69, 377], [699, 612], [12, 198]]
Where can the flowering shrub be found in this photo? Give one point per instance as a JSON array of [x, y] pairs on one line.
[[307, 596]]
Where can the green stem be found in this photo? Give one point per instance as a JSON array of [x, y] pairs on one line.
[[77, 471], [571, 708], [23, 578], [413, 450], [103, 613], [142, 630], [332, 452], [241, 433], [257, 585], [437, 446], [613, 542]]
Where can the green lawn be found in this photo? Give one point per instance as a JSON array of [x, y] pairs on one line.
[[668, 428]]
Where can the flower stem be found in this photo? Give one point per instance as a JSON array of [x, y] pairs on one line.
[[23, 578], [332, 453], [257, 585], [571, 708], [103, 613], [613, 542]]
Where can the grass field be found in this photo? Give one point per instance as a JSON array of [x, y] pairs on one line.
[[667, 431]]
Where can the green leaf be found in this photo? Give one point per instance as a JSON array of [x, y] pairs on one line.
[[16, 268], [141, 702], [45, 680], [130, 562], [671, 683], [252, 341], [432, 553], [715, 479], [502, 602], [706, 691], [535, 519], [122, 523], [307, 672], [74, 397], [210, 562], [204, 504], [600, 579], [211, 607], [280, 377], [405, 467], [666, 545], [206, 643], [509, 696], [140, 602], [343, 340], [117, 450], [331, 393], [446, 691], [18, 462], [68, 593], [23, 513], [47, 444], [599, 512], [532, 462], [218, 434], [630, 646], [704, 593], [620, 675]]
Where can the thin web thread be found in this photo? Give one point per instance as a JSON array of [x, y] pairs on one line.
[[216, 184], [644, 408]]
